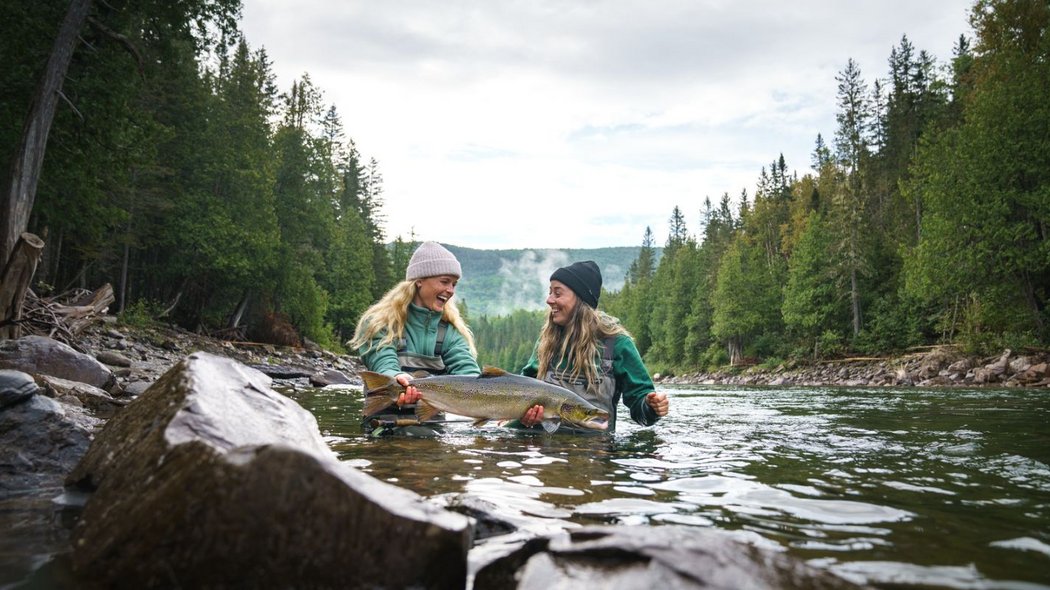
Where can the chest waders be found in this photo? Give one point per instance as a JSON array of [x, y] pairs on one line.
[[402, 420], [606, 397]]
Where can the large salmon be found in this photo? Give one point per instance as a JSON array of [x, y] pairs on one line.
[[493, 395]]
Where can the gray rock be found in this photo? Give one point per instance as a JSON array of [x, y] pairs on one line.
[[649, 557], [15, 387], [42, 440], [329, 377], [282, 371], [98, 401], [38, 354], [113, 359], [213, 479]]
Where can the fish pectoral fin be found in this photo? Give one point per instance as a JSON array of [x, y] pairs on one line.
[[492, 372], [551, 425], [480, 422], [425, 411]]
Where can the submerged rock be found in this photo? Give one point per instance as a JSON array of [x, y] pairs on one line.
[[212, 479], [649, 557]]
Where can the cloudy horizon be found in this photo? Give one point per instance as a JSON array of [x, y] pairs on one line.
[[579, 123]]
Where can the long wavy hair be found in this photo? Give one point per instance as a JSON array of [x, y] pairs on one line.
[[577, 343], [388, 316]]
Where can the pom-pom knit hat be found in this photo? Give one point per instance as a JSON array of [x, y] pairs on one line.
[[583, 278], [430, 260]]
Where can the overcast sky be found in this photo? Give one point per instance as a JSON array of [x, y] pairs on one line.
[[577, 123]]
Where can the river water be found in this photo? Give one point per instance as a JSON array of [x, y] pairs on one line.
[[899, 488]]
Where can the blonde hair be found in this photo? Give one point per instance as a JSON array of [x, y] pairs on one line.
[[577, 342], [388, 315]]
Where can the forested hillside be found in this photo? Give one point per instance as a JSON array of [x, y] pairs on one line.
[[498, 282], [177, 171]]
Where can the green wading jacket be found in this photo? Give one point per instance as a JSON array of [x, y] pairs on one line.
[[421, 329], [632, 378]]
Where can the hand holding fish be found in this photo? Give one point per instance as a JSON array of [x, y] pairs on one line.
[[658, 402], [411, 395], [532, 417]]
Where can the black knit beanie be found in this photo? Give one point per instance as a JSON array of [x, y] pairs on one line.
[[583, 278]]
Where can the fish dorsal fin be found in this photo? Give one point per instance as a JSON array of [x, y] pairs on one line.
[[420, 374], [493, 372], [425, 411]]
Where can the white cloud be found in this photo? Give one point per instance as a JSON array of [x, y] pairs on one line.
[[577, 123]]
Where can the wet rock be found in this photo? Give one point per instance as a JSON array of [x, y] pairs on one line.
[[282, 371], [101, 403], [649, 557], [38, 354], [136, 388], [42, 440], [329, 377], [113, 359], [15, 387], [213, 479]]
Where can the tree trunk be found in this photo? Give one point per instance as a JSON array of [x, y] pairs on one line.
[[235, 319], [20, 190], [736, 350], [15, 281], [854, 292]]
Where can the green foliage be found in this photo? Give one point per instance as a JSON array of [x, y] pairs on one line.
[[507, 341], [141, 314]]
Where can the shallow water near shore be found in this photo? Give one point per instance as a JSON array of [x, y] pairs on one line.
[[897, 488], [894, 488]]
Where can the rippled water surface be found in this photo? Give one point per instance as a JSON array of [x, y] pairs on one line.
[[912, 488]]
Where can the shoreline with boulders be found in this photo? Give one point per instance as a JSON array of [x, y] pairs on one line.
[[938, 367], [138, 356]]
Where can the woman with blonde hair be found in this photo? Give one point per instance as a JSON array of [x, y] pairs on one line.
[[415, 327], [589, 352]]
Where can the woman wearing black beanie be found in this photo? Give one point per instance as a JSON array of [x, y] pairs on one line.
[[588, 351]]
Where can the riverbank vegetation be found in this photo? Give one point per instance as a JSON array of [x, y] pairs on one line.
[[925, 219], [177, 171]]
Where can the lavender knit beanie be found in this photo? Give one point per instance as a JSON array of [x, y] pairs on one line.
[[430, 260]]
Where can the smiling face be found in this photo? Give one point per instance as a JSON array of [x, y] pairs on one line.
[[434, 292], [562, 300]]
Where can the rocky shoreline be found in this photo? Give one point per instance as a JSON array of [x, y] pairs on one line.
[[938, 367], [140, 356]]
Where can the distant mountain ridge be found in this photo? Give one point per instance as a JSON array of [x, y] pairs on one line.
[[497, 282]]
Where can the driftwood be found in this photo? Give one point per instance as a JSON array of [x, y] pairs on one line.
[[64, 317], [14, 283]]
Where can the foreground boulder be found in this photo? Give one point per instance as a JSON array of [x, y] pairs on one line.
[[210, 478], [649, 557]]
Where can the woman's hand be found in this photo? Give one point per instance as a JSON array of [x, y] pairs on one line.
[[532, 417], [411, 395], [658, 402]]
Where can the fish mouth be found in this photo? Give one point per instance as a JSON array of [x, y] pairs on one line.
[[596, 423]]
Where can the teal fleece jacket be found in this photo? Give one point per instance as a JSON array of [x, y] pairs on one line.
[[632, 378], [421, 328]]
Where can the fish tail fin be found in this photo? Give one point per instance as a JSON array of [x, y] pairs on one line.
[[381, 391], [425, 411]]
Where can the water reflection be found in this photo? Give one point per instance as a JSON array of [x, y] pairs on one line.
[[936, 488]]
